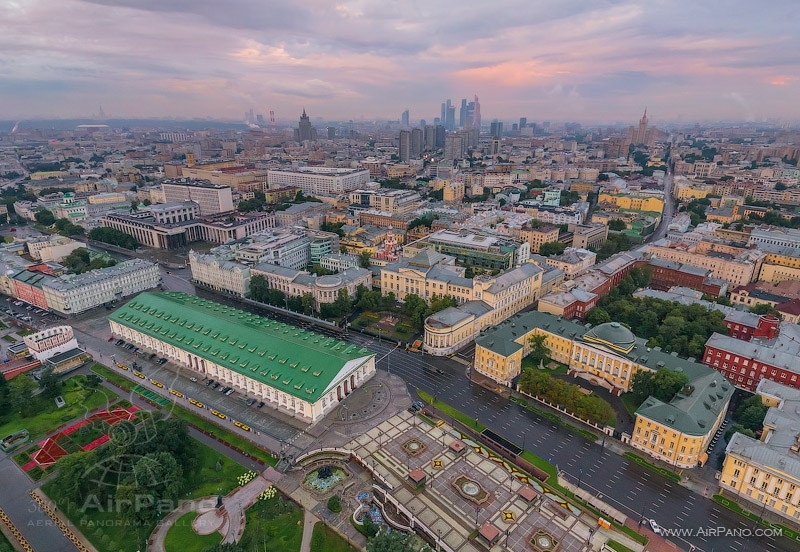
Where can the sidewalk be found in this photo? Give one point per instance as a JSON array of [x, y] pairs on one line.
[[309, 521]]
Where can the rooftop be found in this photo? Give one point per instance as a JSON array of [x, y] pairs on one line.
[[297, 362]]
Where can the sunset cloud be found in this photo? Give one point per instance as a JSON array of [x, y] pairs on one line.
[[568, 59]]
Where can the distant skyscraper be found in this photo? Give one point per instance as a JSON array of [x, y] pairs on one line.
[[641, 135], [453, 147], [304, 128], [476, 114], [404, 118], [416, 143], [437, 121], [439, 132], [404, 146], [331, 133], [422, 123], [522, 122], [462, 113], [450, 123], [429, 138], [496, 129], [443, 117], [260, 119]]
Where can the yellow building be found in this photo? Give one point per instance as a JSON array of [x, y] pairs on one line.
[[400, 171], [693, 191], [679, 432], [454, 190], [545, 233], [766, 473], [634, 202]]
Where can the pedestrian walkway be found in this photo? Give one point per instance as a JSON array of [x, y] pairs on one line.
[[309, 521], [228, 520]]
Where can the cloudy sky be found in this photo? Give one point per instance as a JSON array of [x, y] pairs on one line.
[[580, 60]]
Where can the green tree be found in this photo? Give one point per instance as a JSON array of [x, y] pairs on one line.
[[390, 542], [114, 237], [765, 308], [550, 249], [45, 217], [663, 384], [307, 303], [539, 349], [617, 224], [20, 390], [363, 259], [750, 413], [50, 383], [597, 316], [370, 527]]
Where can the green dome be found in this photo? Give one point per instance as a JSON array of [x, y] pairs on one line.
[[613, 335]]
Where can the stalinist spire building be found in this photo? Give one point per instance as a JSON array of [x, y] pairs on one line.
[[641, 135], [304, 130]]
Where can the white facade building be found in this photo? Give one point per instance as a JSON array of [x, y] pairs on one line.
[[211, 198], [220, 274], [76, 293], [319, 180]]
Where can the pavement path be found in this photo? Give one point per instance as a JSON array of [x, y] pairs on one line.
[[309, 521]]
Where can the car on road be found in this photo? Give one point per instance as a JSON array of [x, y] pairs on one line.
[[655, 527], [229, 392], [251, 402], [198, 404], [162, 361], [241, 425], [176, 393], [193, 379], [260, 404], [218, 414], [216, 385], [139, 375], [209, 382], [152, 356], [157, 383]]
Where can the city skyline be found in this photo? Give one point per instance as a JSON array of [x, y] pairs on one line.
[[369, 60]]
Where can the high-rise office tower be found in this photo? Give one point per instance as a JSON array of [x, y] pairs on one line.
[[476, 114], [331, 133], [416, 143], [496, 129], [462, 113], [443, 117], [453, 147], [404, 118], [422, 123], [404, 146], [439, 132], [304, 128], [522, 122], [451, 118], [437, 121], [428, 138]]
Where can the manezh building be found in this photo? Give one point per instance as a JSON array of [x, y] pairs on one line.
[[295, 371]]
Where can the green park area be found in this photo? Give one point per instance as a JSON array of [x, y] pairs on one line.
[[182, 537], [5, 546], [115, 494], [39, 413], [325, 539]]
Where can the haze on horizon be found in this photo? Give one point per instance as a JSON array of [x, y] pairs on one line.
[[558, 59]]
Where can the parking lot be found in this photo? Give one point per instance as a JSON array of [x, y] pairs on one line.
[[214, 396], [26, 314]]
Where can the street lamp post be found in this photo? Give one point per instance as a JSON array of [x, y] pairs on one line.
[[580, 477]]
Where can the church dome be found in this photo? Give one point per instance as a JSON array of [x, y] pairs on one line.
[[613, 335]]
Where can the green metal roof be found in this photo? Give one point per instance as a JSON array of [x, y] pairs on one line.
[[298, 362]]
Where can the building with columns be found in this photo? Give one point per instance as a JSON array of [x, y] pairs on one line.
[[297, 372]]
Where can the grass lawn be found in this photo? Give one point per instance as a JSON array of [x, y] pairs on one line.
[[325, 539], [23, 333], [95, 524], [368, 320], [445, 408], [110, 375], [192, 418], [561, 369], [5, 546], [208, 480], [47, 418], [181, 537], [3, 326], [274, 524], [9, 338], [631, 404], [617, 547], [733, 506]]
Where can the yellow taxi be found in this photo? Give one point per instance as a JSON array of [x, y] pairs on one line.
[[176, 393], [157, 383], [198, 404], [219, 414], [241, 426], [121, 366], [138, 374]]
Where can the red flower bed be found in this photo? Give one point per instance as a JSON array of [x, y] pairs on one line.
[[50, 453]]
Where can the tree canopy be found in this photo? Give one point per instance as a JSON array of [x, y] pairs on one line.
[[552, 248], [662, 384], [80, 261], [114, 237]]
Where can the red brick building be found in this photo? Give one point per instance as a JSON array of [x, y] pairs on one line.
[[667, 274], [747, 325], [28, 288]]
